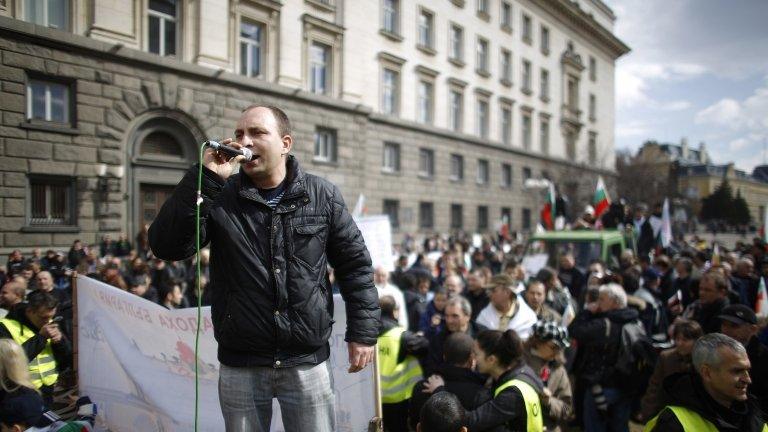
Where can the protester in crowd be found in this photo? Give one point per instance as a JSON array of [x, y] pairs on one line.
[[442, 413], [713, 297], [399, 367], [141, 285], [476, 293], [558, 297], [671, 361], [122, 246], [740, 323], [31, 326], [457, 370], [715, 397], [506, 310], [570, 276], [11, 294], [598, 328], [15, 263], [683, 286], [543, 353], [458, 312], [417, 297], [535, 296], [171, 297], [432, 321], [516, 387], [76, 254], [454, 285], [384, 288], [744, 282], [662, 265]]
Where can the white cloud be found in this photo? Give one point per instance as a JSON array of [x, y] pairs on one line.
[[632, 129], [678, 105], [738, 144], [725, 112]]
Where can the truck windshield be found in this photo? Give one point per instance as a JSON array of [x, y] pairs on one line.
[[546, 253]]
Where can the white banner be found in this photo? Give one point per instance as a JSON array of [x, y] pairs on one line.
[[377, 233], [136, 362]]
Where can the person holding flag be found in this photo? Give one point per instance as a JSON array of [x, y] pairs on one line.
[[601, 201], [548, 212]]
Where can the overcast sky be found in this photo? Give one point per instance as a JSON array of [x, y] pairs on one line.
[[698, 69]]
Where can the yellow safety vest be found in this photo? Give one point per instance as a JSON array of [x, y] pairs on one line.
[[534, 419], [397, 379], [689, 419], [42, 369]]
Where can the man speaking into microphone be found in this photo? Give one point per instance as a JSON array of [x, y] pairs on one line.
[[273, 229]]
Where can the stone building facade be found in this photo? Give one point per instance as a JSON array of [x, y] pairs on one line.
[[105, 104]]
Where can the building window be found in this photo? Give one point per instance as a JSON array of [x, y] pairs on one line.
[[51, 201], [391, 158], [592, 148], [482, 218], [592, 107], [526, 173], [506, 67], [482, 56], [544, 40], [426, 215], [483, 172], [526, 129], [456, 110], [457, 216], [527, 29], [544, 85], [506, 215], [391, 16], [573, 94], [251, 49], [506, 15], [390, 91], [483, 10], [544, 135], [506, 125], [526, 219], [425, 102], [506, 175], [592, 69], [163, 28], [457, 167], [526, 85], [49, 101], [426, 163], [426, 29], [392, 209], [49, 13], [456, 38], [325, 145], [482, 117], [319, 67]]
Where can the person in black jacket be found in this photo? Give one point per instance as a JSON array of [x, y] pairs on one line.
[[273, 229]]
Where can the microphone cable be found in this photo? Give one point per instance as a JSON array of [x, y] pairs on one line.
[[198, 202]]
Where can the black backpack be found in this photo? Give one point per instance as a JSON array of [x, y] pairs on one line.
[[636, 358]]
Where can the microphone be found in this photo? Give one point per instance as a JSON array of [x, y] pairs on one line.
[[231, 151]]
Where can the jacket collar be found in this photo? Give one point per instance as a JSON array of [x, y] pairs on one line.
[[295, 186]]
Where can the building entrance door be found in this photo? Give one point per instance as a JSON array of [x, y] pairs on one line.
[[152, 199]]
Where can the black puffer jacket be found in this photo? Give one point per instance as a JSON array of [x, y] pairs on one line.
[[271, 300]]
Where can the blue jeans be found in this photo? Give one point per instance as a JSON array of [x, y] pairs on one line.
[[615, 419], [304, 393]]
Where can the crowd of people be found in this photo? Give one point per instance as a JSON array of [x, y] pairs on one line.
[[469, 340]]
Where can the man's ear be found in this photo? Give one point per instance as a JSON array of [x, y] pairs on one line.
[[418, 427], [463, 429], [287, 144]]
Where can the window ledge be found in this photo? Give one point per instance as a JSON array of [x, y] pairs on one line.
[[483, 15], [317, 161], [456, 180], [456, 62], [592, 119], [426, 177], [483, 185], [321, 5], [50, 229], [426, 49], [545, 99], [528, 40], [505, 82], [459, 3], [483, 73], [506, 28], [526, 91], [391, 36], [49, 127], [545, 51], [391, 173]]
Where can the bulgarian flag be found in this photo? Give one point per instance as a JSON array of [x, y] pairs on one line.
[[761, 305], [601, 201], [548, 212]]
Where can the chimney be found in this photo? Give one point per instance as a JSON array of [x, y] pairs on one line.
[[703, 156], [684, 149]]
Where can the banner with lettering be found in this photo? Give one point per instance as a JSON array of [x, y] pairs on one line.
[[136, 361]]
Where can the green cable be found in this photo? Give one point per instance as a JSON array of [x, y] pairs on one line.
[[198, 202]]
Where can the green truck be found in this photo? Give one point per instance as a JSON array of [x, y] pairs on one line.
[[545, 248]]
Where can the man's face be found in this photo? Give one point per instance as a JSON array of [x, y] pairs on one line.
[[500, 297], [453, 286], [257, 129], [566, 262], [534, 295], [474, 283], [708, 292], [380, 276], [139, 289], [684, 345], [455, 319], [8, 296], [681, 270], [40, 316], [741, 332], [730, 379], [45, 281], [440, 300], [176, 299]]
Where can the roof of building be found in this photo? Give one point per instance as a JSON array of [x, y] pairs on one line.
[[675, 151]]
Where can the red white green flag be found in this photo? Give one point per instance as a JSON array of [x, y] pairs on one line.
[[548, 212], [601, 201], [761, 305]]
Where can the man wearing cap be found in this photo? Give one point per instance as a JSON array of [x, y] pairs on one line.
[[506, 311], [23, 410], [740, 323]]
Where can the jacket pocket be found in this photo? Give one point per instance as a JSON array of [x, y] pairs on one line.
[[308, 243], [311, 324]]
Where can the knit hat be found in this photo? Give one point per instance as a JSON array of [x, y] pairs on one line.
[[23, 406], [549, 330]]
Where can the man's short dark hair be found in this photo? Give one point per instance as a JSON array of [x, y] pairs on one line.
[[283, 123], [687, 329], [442, 412], [39, 299], [458, 348], [388, 306]]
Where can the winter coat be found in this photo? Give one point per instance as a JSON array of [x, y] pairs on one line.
[[558, 410], [670, 362]]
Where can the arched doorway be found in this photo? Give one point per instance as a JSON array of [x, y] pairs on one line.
[[162, 147]]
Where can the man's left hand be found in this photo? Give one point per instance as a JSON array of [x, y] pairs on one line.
[[359, 356]]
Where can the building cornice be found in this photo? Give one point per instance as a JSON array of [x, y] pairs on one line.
[[571, 15]]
